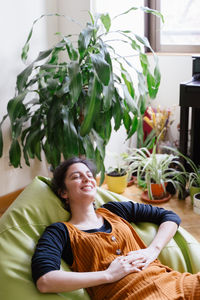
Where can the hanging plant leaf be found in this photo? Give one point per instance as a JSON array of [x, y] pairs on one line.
[[70, 138], [72, 52], [134, 127], [142, 104], [88, 146], [52, 154], [144, 62], [84, 39], [127, 120], [152, 86], [100, 165], [75, 82], [108, 92], [153, 11], [100, 143], [129, 100], [105, 19], [117, 111], [15, 153], [16, 108], [126, 12], [101, 67], [23, 77], [92, 107]]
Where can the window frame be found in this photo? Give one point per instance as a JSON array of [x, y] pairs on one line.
[[152, 32]]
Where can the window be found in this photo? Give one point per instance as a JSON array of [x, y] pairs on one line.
[[181, 30]]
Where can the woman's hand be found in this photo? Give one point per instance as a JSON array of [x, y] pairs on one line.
[[142, 256], [121, 267]]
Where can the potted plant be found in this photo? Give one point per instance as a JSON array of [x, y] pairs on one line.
[[65, 108], [117, 176], [158, 170], [196, 206], [193, 174], [193, 178]]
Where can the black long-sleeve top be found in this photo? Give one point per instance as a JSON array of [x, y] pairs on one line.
[[54, 244]]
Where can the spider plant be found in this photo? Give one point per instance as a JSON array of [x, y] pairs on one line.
[[193, 173], [158, 168]]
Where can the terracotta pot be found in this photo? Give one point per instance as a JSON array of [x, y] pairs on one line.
[[157, 190], [145, 197]]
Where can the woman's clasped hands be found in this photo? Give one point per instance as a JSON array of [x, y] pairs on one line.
[[134, 261]]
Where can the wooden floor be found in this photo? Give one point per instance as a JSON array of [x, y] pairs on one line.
[[190, 220]]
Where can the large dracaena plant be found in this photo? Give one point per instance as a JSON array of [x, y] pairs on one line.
[[66, 107]]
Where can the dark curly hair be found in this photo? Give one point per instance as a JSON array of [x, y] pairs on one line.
[[59, 174]]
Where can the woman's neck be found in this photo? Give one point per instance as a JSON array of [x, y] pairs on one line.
[[86, 218]]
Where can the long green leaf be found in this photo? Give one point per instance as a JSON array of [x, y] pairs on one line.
[[152, 85], [144, 62], [153, 11], [99, 142], [16, 108], [15, 153], [126, 120], [88, 146], [126, 12], [72, 52], [84, 39], [100, 165], [23, 77], [101, 67], [108, 92], [70, 137], [25, 49], [52, 154], [117, 111], [105, 19], [143, 40], [129, 100], [92, 107], [75, 82], [134, 126]]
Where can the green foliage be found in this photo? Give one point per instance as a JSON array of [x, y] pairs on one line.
[[66, 107], [157, 168], [193, 176]]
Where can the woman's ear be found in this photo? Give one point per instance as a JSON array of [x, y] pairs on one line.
[[64, 194]]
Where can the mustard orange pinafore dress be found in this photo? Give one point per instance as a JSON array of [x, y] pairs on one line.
[[95, 251]]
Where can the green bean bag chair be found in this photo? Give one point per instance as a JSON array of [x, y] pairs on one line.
[[37, 207]]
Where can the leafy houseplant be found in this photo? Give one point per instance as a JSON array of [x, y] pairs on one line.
[[193, 178], [159, 169], [65, 108]]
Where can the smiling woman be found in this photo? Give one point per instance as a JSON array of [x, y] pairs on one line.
[[116, 269]]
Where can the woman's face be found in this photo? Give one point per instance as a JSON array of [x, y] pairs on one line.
[[80, 183]]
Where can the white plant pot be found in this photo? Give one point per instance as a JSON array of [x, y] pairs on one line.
[[196, 204]]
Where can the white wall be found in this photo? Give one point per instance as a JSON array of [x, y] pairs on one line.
[[16, 18], [175, 69]]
